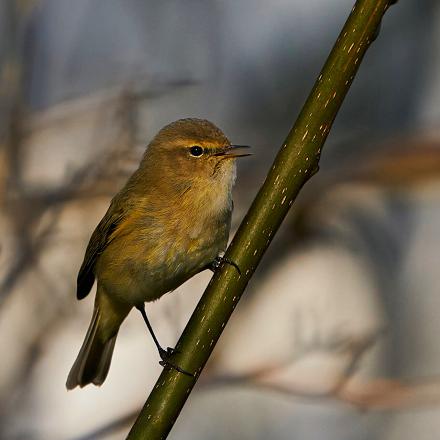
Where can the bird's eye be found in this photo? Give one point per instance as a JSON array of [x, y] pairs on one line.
[[196, 151]]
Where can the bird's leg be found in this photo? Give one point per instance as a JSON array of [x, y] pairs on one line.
[[219, 261], [169, 350], [164, 354]]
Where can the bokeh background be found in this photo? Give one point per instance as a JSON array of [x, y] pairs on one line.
[[337, 335]]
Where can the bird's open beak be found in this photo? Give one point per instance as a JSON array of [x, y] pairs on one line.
[[233, 151]]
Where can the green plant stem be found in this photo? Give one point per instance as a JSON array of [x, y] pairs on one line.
[[295, 163]]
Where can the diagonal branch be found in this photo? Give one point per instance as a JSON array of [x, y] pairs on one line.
[[295, 163]]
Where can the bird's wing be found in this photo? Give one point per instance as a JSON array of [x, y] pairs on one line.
[[101, 237]]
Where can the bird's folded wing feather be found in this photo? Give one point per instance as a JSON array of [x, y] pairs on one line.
[[101, 237]]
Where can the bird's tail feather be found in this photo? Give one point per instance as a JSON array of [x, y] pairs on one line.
[[93, 360]]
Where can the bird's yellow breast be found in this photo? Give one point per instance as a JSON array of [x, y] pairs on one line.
[[158, 247]]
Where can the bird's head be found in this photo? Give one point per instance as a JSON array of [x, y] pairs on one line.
[[195, 150]]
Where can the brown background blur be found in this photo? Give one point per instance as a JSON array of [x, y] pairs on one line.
[[336, 337]]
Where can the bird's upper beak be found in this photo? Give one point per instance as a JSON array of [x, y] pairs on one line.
[[232, 151]]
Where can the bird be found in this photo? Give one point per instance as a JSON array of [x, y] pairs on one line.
[[169, 222]]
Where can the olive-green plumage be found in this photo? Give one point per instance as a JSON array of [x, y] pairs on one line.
[[169, 222]]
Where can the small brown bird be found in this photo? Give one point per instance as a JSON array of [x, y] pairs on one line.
[[169, 222]]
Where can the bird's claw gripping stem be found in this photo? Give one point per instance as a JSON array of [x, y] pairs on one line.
[[219, 261], [165, 355], [166, 362]]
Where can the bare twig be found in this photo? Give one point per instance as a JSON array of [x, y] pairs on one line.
[[295, 163]]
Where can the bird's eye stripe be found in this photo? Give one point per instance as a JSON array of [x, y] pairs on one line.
[[196, 151]]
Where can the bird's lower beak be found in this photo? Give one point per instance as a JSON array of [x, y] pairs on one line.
[[233, 151]]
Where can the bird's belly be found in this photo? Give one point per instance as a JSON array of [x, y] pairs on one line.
[[144, 271], [183, 259]]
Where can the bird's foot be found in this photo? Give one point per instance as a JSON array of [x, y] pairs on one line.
[[166, 362], [219, 261]]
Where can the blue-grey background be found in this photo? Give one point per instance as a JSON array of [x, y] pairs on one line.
[[93, 81]]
